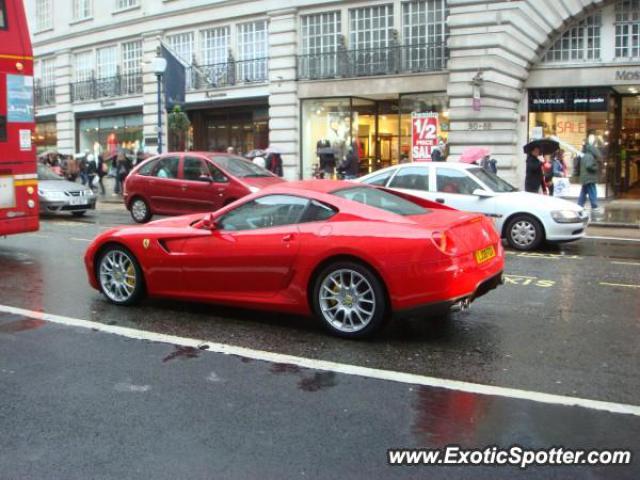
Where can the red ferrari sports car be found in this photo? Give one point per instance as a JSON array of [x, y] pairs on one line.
[[352, 254]]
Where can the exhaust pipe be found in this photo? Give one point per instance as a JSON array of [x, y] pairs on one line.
[[461, 305]]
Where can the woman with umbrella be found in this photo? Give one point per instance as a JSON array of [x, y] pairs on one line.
[[534, 176]]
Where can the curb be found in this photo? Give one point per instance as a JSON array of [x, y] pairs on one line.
[[614, 225]]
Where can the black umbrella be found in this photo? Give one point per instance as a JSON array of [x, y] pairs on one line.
[[546, 146]]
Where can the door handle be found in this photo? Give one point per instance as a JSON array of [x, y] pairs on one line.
[[183, 187], [287, 238], [440, 200]]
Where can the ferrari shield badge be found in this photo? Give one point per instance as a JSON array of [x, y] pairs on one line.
[[145, 243]]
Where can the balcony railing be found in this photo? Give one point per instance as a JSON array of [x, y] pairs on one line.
[[116, 86], [368, 62], [204, 77], [45, 96]]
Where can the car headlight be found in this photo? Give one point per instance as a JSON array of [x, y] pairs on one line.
[[565, 216]]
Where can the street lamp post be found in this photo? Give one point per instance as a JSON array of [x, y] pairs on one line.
[[159, 65]]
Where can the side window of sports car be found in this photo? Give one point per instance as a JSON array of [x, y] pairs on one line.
[[317, 212], [455, 181], [265, 212], [412, 178], [379, 180]]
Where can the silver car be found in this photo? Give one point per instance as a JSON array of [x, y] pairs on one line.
[[59, 195]]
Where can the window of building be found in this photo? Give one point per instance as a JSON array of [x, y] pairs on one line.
[[628, 29], [582, 42], [182, 46], [371, 27], [320, 40], [82, 9], [252, 51], [215, 45], [45, 71], [424, 25], [83, 66], [122, 4], [107, 62], [44, 15], [132, 66], [320, 33], [370, 34], [3, 15]]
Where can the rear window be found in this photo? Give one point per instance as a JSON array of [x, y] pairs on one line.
[[374, 197]]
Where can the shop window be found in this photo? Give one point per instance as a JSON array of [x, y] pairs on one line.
[[628, 29], [579, 43], [412, 178]]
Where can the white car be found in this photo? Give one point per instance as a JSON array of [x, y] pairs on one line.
[[524, 219]]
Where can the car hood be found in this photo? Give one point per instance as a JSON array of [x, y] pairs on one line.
[[59, 186], [535, 200], [261, 182]]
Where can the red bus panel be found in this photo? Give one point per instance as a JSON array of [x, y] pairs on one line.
[[18, 167]]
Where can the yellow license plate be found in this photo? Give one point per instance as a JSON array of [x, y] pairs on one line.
[[485, 254]]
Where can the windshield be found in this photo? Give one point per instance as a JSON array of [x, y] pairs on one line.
[[45, 173], [493, 181], [374, 197], [239, 167]]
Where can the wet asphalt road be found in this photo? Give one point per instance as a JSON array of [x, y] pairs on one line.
[[566, 322]]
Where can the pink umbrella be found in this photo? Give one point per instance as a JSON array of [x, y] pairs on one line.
[[473, 154]]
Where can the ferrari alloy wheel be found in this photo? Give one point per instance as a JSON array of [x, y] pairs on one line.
[[140, 210], [524, 233], [120, 276], [350, 300]]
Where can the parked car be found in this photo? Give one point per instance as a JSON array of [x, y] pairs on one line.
[[351, 254], [524, 219], [59, 195], [180, 183]]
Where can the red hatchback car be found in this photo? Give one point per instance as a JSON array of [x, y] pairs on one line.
[[191, 182]]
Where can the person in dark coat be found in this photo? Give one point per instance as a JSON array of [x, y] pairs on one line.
[[533, 178], [274, 163], [350, 166]]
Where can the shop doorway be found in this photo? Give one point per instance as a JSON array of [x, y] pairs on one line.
[[629, 141]]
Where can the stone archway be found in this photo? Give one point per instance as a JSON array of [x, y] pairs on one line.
[[500, 40]]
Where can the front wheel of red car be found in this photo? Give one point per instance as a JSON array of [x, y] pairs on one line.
[[140, 211], [349, 299], [120, 276]]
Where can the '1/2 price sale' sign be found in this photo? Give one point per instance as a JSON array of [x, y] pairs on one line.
[[424, 136]]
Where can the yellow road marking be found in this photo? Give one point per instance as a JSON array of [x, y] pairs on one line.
[[619, 285]]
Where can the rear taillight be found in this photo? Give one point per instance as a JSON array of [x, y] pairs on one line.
[[443, 242]]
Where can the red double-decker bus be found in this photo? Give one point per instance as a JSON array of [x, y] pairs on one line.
[[18, 167]]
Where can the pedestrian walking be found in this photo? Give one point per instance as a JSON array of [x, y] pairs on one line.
[[123, 167], [588, 171], [533, 176], [103, 169], [350, 165], [91, 169]]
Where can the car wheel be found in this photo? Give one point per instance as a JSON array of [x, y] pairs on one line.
[[120, 276], [80, 213], [524, 233], [349, 299], [140, 211]]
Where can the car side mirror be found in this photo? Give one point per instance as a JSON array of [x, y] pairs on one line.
[[209, 223], [206, 178], [479, 192]]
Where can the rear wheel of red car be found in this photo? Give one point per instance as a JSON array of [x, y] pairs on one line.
[[349, 299], [524, 232], [120, 276], [140, 210]]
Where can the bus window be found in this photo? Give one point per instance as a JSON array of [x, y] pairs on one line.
[[3, 128], [3, 15]]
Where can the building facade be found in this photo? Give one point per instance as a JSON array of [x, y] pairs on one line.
[[314, 79]]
